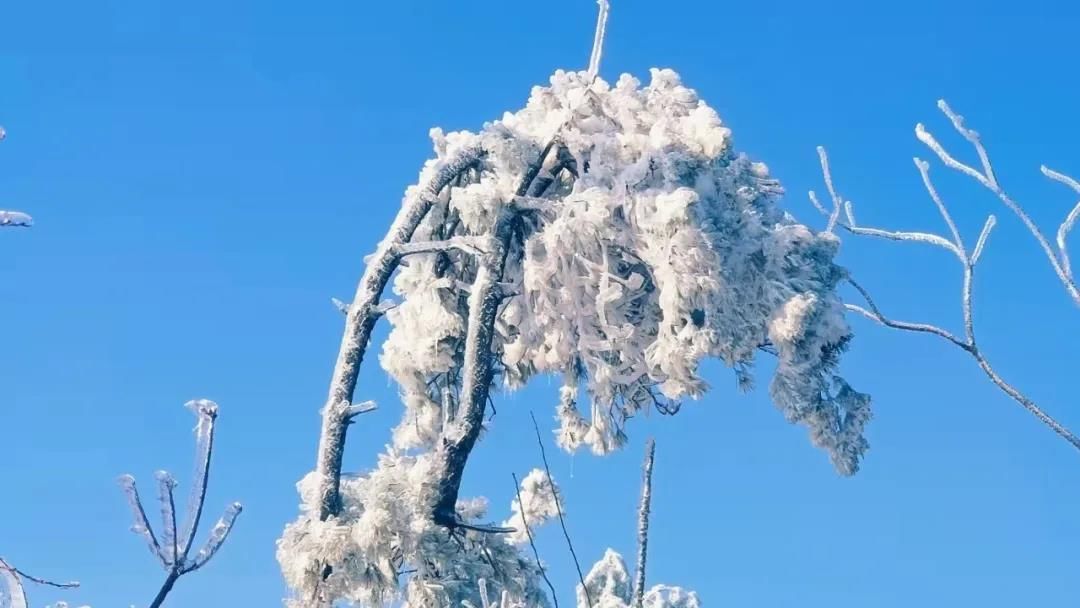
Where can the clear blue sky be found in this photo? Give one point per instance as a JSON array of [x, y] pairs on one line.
[[206, 175]]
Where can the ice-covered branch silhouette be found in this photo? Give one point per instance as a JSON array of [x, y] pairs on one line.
[[954, 244], [643, 524], [12, 592], [174, 546]]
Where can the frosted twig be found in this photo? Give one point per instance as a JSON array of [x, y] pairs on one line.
[[5, 565], [174, 554], [643, 524], [598, 38], [968, 343], [1070, 219], [559, 510], [892, 235], [532, 543], [1059, 260], [467, 244]]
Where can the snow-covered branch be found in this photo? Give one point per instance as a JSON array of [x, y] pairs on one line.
[[643, 524], [1059, 260], [174, 548], [12, 591], [968, 342], [361, 317], [609, 234], [15, 219]]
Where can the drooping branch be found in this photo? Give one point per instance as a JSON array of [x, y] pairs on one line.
[[477, 372], [955, 246], [11, 584], [478, 365], [360, 321], [173, 550], [643, 524]]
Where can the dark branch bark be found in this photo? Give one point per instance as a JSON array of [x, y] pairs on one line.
[[360, 320], [478, 368]]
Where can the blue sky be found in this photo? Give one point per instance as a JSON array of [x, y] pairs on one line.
[[206, 175]]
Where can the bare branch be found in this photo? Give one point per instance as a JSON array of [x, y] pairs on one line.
[[643, 524], [559, 510], [468, 244], [532, 543], [5, 565]]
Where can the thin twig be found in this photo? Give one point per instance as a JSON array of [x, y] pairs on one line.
[[559, 510], [532, 543], [1059, 261], [956, 246], [643, 524], [5, 565]]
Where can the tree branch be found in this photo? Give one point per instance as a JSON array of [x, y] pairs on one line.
[[968, 344], [359, 323], [532, 543], [559, 510], [643, 524]]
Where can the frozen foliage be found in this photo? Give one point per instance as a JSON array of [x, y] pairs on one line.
[[606, 234], [609, 587], [653, 246], [384, 546]]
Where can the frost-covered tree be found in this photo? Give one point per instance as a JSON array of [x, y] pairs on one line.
[[842, 216], [606, 234]]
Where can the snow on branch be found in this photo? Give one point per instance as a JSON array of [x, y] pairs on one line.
[[985, 176], [12, 591], [607, 233], [173, 550], [15, 219], [954, 245]]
